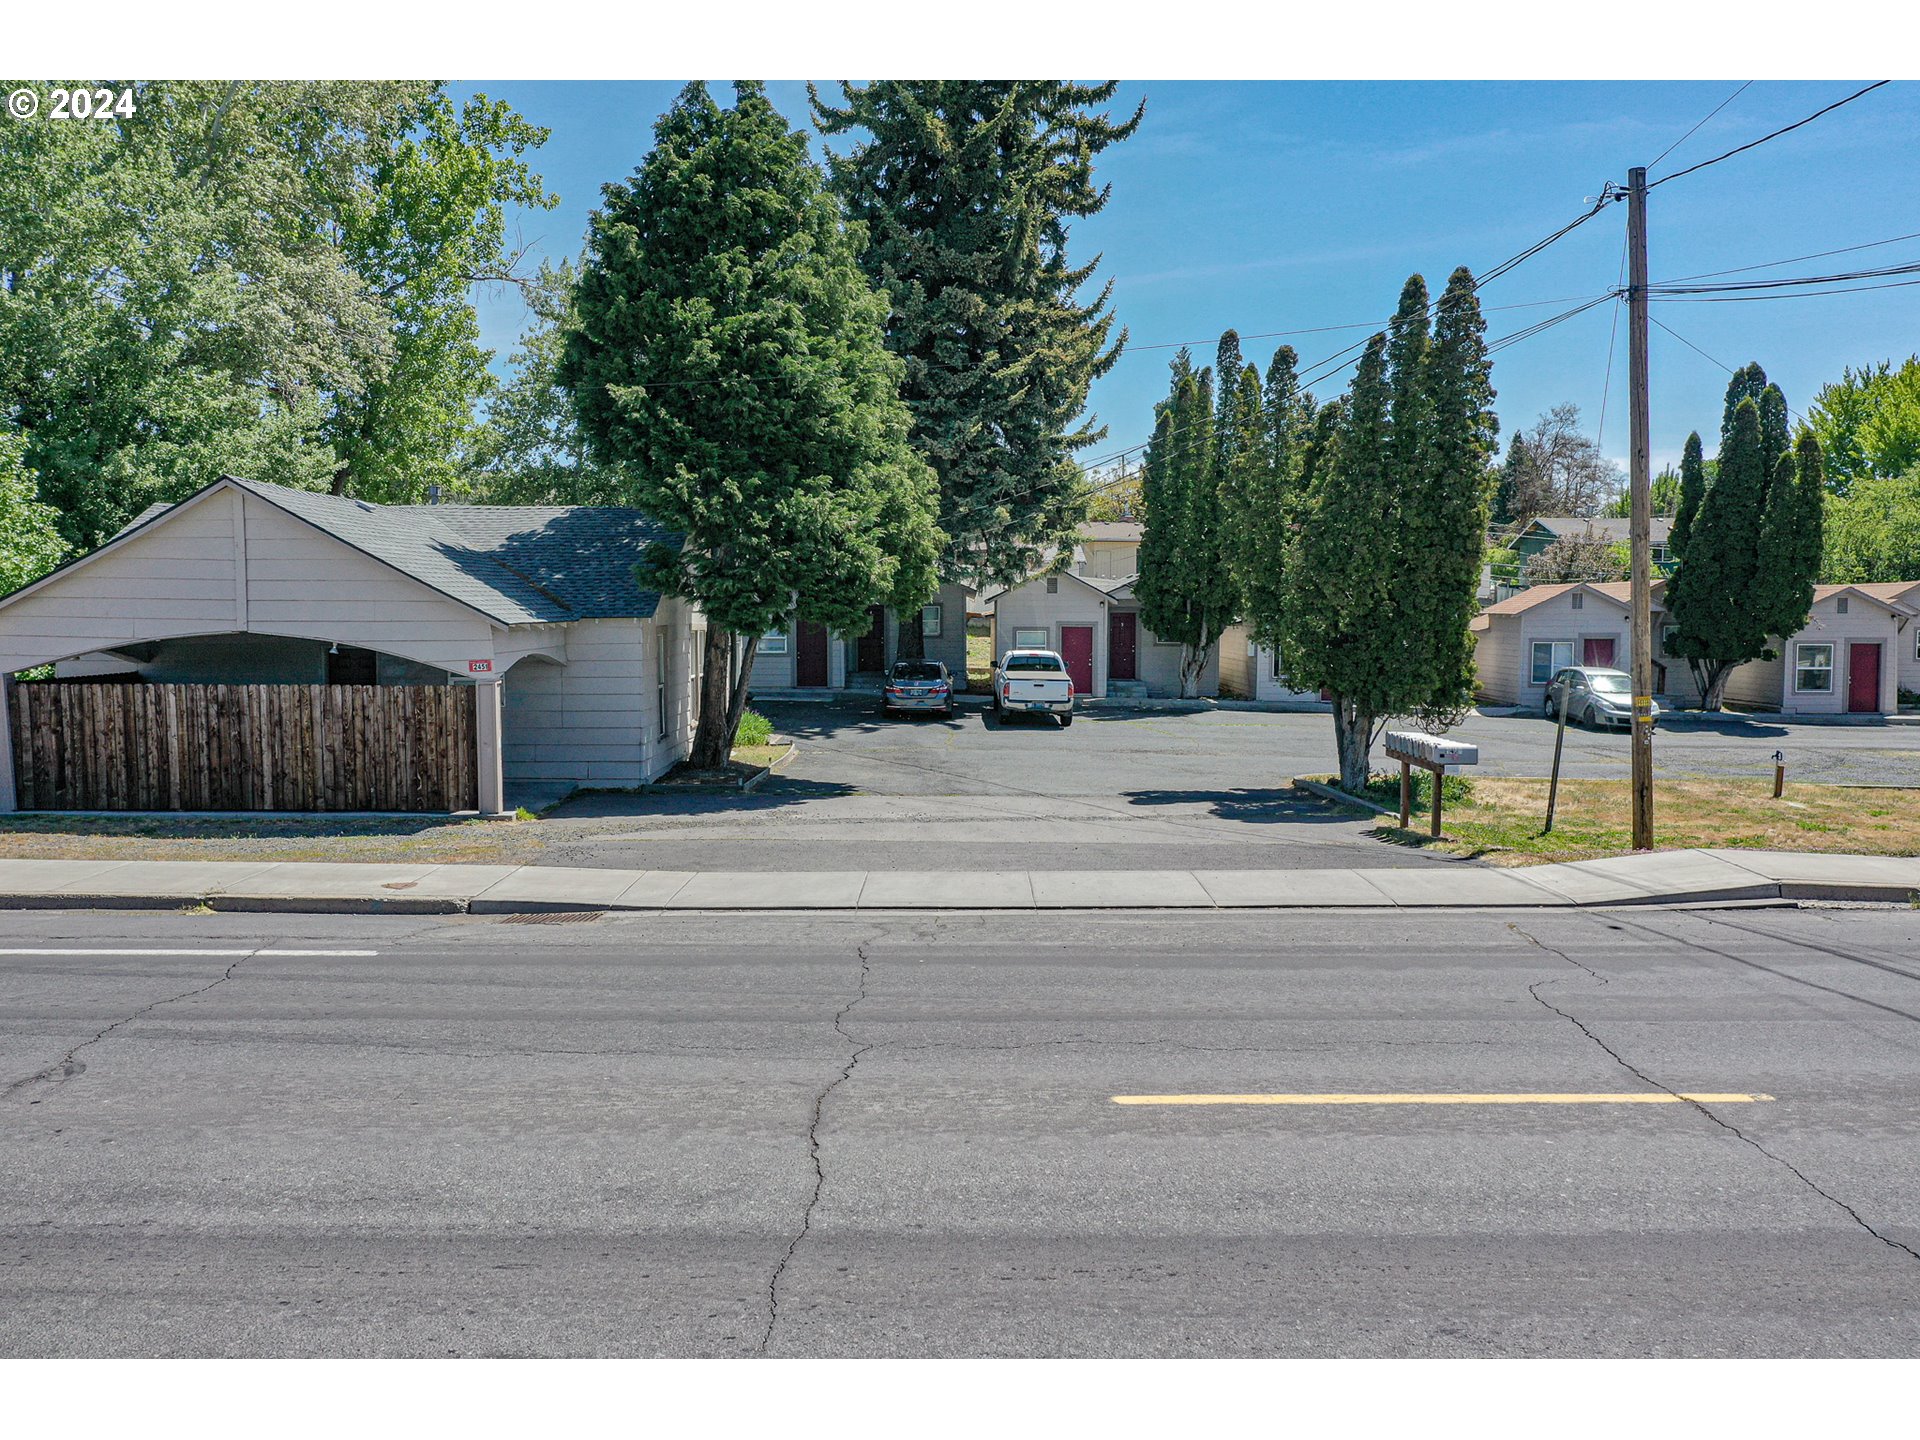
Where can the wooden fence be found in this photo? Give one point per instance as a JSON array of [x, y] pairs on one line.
[[80, 746]]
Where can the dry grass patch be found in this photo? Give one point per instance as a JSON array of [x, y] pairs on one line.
[[1499, 820]]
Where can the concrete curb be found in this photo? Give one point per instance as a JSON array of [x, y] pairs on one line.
[[1341, 797], [1674, 877]]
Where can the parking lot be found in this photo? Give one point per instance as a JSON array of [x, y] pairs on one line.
[[1124, 788]]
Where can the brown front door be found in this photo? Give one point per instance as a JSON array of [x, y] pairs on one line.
[[1863, 678], [1598, 652], [872, 654], [1123, 639], [810, 658]]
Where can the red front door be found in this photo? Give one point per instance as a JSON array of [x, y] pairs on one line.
[[810, 658], [1598, 651], [1076, 648], [1863, 678], [1123, 638]]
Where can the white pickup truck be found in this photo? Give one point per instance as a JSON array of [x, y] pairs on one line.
[[1032, 682]]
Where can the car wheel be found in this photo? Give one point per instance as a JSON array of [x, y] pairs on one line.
[[1587, 720], [1065, 721]]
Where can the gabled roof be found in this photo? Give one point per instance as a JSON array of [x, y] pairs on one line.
[[1901, 597], [515, 564], [1113, 530], [1617, 591], [1100, 585]]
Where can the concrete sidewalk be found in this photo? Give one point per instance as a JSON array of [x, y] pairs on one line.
[[1667, 877]]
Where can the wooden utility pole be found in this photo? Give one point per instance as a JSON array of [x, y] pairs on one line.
[[1640, 493]]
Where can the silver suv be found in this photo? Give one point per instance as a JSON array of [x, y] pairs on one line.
[[1592, 695]]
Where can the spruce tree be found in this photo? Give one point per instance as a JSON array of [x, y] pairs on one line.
[[967, 189], [1790, 539], [1508, 486], [728, 357], [1693, 488]]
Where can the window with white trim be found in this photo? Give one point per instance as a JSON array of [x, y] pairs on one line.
[[774, 642], [660, 663], [1813, 669], [1037, 638], [1549, 656], [1579, 600], [931, 617], [1276, 664]]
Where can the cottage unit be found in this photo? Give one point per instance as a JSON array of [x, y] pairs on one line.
[[1094, 622], [1855, 654], [579, 675], [1255, 672], [802, 656]]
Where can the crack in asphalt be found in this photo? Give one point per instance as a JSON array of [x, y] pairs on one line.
[[1727, 1125], [67, 1066], [813, 1146]]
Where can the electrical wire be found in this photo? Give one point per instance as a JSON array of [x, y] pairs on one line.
[[1774, 135], [1613, 334], [1703, 120], [1791, 260], [1910, 267], [1790, 295]]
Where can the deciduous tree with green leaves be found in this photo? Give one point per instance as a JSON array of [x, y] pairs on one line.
[[967, 189], [30, 540], [1868, 423], [728, 356], [1872, 533]]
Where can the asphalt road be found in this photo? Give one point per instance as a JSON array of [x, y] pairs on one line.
[[696, 1135], [1119, 790]]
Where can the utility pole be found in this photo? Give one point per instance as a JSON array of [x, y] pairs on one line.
[[1640, 495]]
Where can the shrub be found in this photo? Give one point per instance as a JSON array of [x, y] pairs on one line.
[[1383, 788], [755, 729]]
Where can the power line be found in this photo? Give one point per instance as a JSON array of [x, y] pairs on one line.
[[1325, 329], [1790, 260], [1792, 281], [1613, 331], [1789, 295], [1703, 120], [1775, 135], [1712, 360]]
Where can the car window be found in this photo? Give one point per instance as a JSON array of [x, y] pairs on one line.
[[917, 670], [1045, 663], [1611, 684]]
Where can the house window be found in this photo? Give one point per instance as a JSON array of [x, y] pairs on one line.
[[1668, 635], [1579, 600], [699, 643], [349, 665], [1549, 656], [1276, 664], [930, 619], [1813, 669], [1840, 606], [1034, 639], [1053, 587], [660, 681], [774, 642]]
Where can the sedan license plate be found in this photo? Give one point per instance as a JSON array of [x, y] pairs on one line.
[[1038, 705]]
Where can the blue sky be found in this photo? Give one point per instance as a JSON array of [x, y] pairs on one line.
[[1290, 205]]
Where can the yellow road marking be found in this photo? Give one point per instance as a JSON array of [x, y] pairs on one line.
[[1655, 1097]]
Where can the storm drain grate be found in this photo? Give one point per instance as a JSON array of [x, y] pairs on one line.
[[553, 917]]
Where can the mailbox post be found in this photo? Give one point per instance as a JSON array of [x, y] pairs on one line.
[[1437, 756]]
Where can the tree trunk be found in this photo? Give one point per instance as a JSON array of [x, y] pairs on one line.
[[1353, 737], [1711, 677], [723, 696], [912, 644]]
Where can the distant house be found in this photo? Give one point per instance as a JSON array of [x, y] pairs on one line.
[[1541, 531], [1857, 650], [1109, 549], [583, 676]]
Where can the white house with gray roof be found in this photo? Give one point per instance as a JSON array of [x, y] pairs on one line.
[[585, 677]]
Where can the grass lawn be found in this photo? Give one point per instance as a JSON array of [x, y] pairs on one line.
[[759, 754], [979, 662], [1498, 820]]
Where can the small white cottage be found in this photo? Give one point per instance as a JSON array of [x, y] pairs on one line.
[[583, 677]]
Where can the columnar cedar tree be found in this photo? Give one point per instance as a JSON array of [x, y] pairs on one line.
[[966, 189], [1693, 488], [728, 357], [1262, 498]]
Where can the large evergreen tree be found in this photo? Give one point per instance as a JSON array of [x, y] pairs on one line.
[[1185, 587], [1261, 498], [729, 357], [1693, 489], [1380, 583], [966, 189]]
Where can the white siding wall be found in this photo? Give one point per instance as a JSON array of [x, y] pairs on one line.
[[1757, 685], [588, 721], [1238, 663], [1159, 666], [1496, 665], [1030, 607]]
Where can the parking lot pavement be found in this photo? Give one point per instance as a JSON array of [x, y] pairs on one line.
[[1122, 789]]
